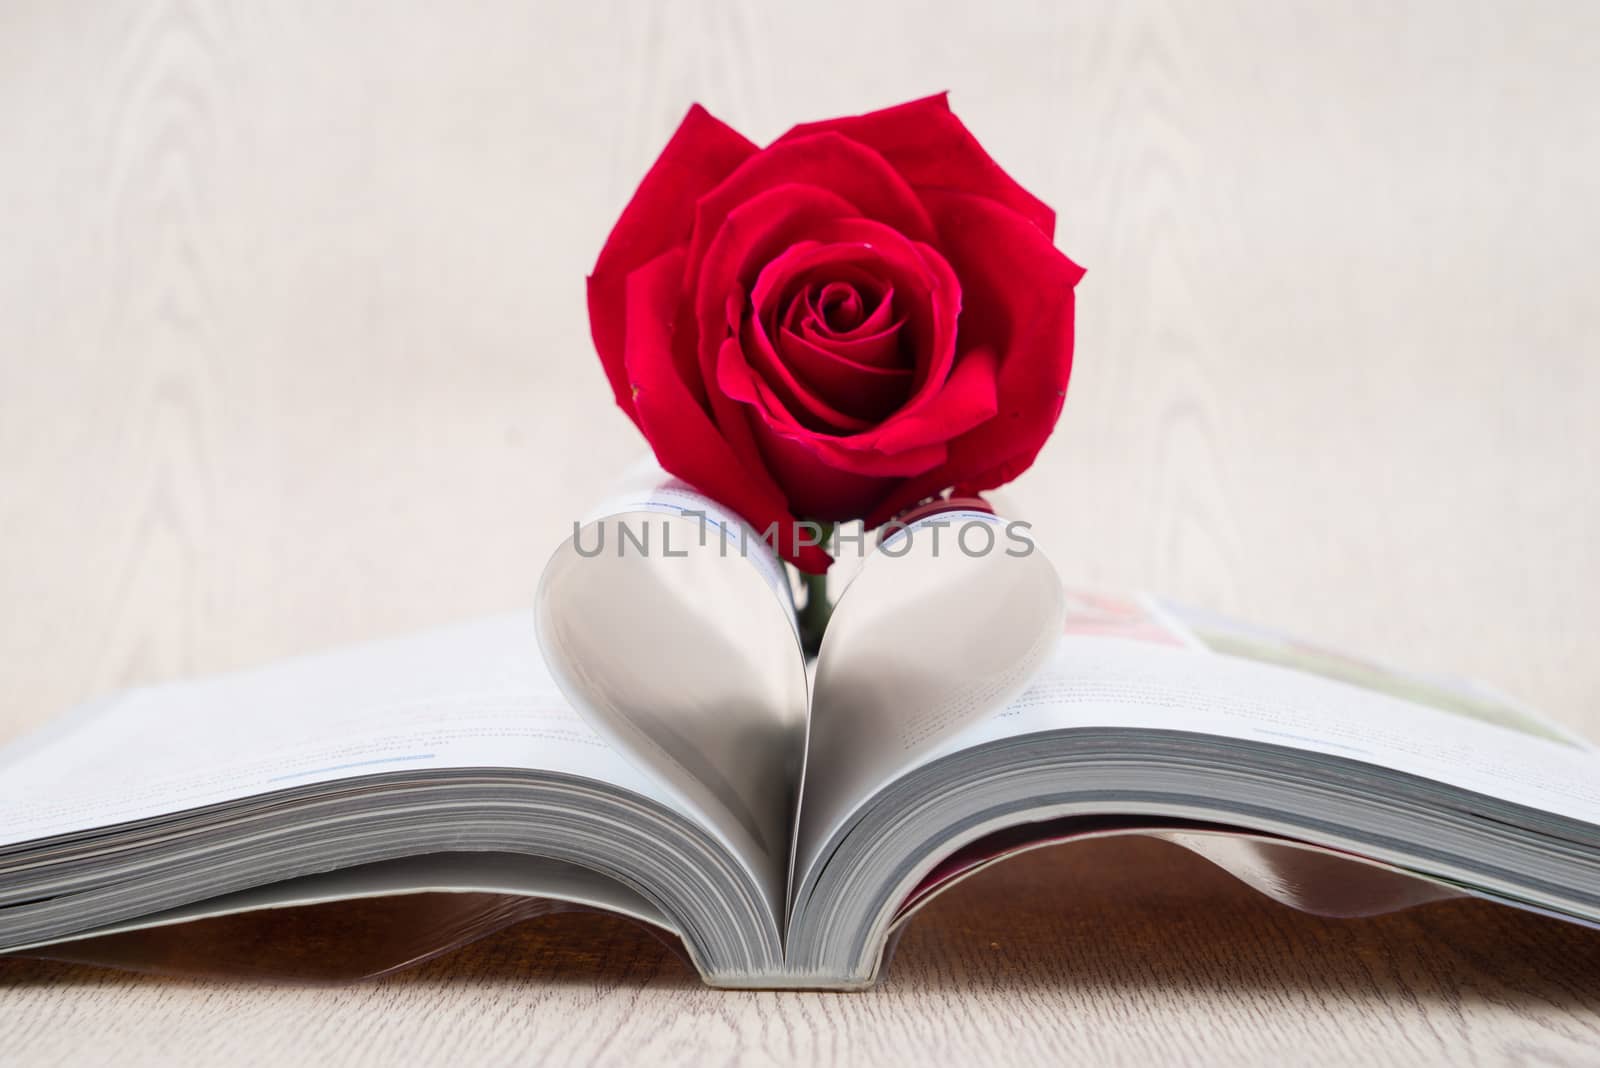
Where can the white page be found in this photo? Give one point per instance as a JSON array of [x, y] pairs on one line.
[[925, 642], [669, 624], [1167, 671], [645, 488], [1139, 663], [475, 695]]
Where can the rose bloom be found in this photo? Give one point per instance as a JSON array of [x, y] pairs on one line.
[[848, 322]]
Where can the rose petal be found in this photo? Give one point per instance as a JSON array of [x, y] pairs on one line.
[[917, 269], [867, 335], [823, 480], [864, 390], [766, 411], [839, 307], [967, 400], [752, 233], [926, 143], [930, 292], [817, 487], [660, 214], [829, 162], [797, 268], [927, 291], [753, 351], [1028, 326], [678, 429]]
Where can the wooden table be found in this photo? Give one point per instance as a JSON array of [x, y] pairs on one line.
[[293, 352]]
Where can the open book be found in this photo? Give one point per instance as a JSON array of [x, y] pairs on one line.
[[650, 741]]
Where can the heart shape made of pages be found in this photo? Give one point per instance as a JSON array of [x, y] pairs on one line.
[[680, 648], [935, 634]]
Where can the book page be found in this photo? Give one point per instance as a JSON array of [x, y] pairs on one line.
[[669, 624], [946, 621], [475, 695], [1146, 663], [1140, 663]]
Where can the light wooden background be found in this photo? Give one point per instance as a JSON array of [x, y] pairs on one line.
[[293, 352]]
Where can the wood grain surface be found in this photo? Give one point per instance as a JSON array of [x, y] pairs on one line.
[[293, 352]]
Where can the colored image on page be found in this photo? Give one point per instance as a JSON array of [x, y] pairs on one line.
[[1099, 615], [1460, 697]]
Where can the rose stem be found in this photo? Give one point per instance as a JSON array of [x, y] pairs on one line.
[[814, 614]]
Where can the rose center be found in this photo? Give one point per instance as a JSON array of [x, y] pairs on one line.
[[840, 307]]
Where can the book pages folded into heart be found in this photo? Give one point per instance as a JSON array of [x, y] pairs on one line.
[[670, 625], [650, 740]]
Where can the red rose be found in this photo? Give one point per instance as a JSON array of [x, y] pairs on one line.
[[861, 315]]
